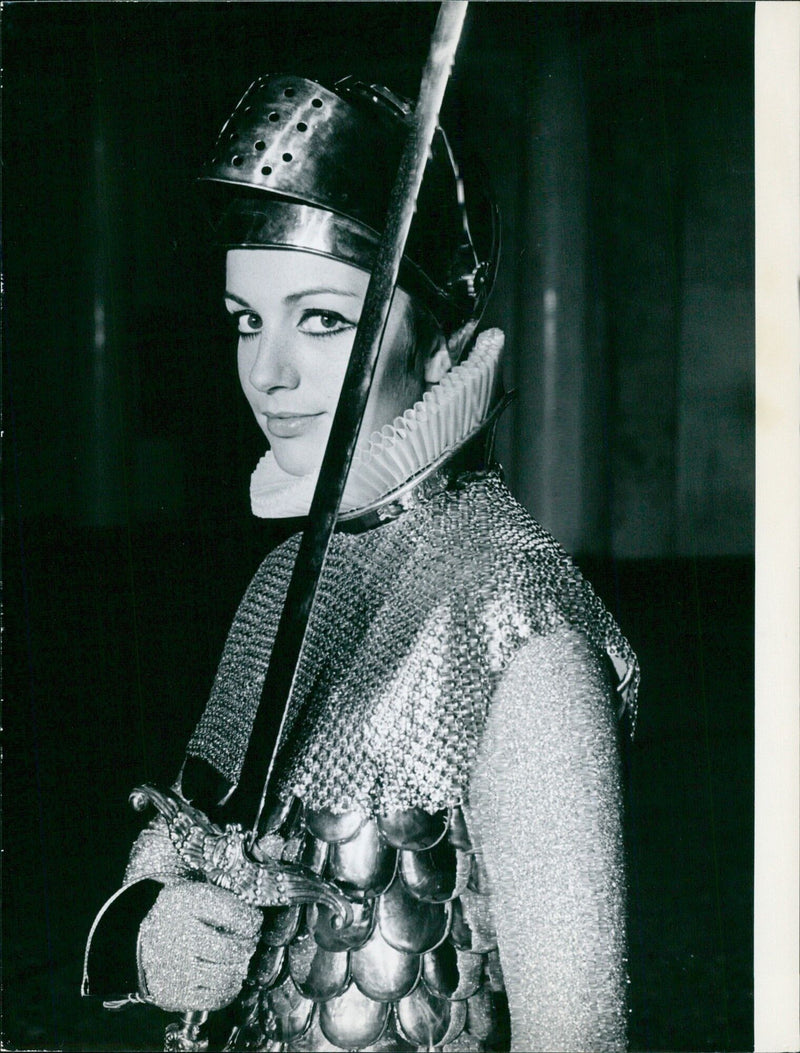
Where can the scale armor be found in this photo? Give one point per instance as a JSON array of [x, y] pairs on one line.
[[417, 969]]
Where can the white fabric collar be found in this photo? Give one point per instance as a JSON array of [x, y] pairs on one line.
[[438, 423]]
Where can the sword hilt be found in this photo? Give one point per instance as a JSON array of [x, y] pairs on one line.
[[187, 1034]]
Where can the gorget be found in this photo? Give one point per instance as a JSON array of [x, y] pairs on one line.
[[414, 625]]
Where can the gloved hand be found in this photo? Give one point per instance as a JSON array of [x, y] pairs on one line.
[[195, 946], [153, 855]]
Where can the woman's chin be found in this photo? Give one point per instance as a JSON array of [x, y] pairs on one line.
[[295, 462]]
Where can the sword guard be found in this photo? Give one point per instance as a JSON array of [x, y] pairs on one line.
[[219, 855]]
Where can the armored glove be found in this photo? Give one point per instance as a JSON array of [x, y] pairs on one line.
[[195, 946]]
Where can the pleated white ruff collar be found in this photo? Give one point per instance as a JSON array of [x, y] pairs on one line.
[[440, 422]]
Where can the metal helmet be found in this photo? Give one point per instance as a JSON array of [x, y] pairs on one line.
[[300, 166]]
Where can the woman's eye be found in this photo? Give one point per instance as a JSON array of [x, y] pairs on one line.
[[247, 323], [324, 323]]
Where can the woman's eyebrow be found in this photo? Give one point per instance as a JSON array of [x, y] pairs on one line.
[[301, 294], [320, 290]]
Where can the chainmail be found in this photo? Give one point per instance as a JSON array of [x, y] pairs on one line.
[[412, 630]]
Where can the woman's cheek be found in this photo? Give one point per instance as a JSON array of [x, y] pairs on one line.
[[329, 377]]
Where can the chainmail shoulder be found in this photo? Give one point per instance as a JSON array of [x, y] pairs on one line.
[[414, 625]]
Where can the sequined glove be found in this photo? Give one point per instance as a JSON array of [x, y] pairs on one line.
[[195, 946]]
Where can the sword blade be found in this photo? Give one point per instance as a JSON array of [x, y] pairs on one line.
[[250, 794]]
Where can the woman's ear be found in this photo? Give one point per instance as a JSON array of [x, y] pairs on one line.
[[449, 352], [438, 363]]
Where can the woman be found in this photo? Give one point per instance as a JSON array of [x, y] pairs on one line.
[[449, 779]]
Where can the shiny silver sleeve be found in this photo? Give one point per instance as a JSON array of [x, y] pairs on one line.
[[546, 807]]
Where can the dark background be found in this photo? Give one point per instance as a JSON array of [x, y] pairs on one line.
[[620, 142]]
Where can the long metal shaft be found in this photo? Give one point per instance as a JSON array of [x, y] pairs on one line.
[[250, 794]]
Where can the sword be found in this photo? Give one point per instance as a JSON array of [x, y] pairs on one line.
[[251, 791], [252, 788]]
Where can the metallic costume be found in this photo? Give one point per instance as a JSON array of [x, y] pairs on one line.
[[415, 624], [416, 627], [455, 681], [448, 770]]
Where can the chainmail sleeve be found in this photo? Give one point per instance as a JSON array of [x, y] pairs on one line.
[[545, 806]]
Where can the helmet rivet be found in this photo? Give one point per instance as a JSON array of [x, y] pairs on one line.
[[289, 92], [236, 160], [233, 136], [266, 170], [260, 145], [316, 103], [274, 116], [302, 126], [287, 157]]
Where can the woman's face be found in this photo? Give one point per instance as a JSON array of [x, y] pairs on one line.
[[296, 315]]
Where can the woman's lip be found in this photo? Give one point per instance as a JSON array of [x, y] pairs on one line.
[[289, 425]]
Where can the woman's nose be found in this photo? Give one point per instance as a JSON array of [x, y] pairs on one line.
[[273, 365]]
